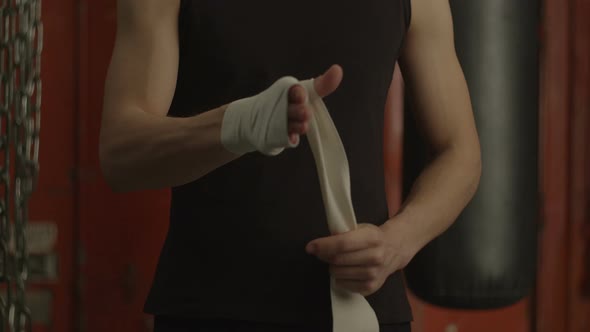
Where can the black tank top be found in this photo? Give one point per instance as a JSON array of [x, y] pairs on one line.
[[235, 248]]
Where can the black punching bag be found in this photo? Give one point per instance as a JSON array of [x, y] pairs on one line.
[[487, 259]]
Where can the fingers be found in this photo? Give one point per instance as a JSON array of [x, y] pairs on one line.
[[297, 94], [329, 81], [359, 273], [360, 279], [298, 112], [324, 85], [365, 237], [298, 124], [368, 257], [293, 138], [298, 127]]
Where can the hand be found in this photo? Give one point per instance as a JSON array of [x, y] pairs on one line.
[[362, 259], [299, 111]]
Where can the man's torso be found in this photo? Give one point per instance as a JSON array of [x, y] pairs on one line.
[[236, 243]]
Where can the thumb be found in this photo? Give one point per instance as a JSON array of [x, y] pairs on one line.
[[328, 82]]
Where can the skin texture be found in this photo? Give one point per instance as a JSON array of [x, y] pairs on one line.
[[142, 148], [361, 260]]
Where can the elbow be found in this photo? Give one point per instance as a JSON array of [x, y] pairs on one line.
[[477, 169], [466, 157], [474, 166], [110, 169]]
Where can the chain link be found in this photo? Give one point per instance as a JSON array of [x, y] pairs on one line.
[[21, 42]]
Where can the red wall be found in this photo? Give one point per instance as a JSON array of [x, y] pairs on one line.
[[56, 195], [565, 165]]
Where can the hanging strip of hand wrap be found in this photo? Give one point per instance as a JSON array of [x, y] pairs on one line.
[[350, 311]]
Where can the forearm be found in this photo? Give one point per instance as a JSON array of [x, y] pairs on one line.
[[438, 196], [147, 151]]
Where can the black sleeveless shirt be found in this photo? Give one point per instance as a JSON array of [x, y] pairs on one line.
[[235, 248]]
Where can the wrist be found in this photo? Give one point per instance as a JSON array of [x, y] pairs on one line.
[[260, 122], [402, 230], [234, 125]]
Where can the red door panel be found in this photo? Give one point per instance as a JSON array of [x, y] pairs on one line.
[[54, 200], [579, 239]]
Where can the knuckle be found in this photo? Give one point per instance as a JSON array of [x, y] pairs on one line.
[[377, 239], [295, 93], [377, 257], [339, 245], [307, 112], [368, 286], [302, 92], [304, 126], [373, 273], [302, 110]]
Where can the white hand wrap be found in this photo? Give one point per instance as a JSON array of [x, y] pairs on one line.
[[259, 122], [350, 311]]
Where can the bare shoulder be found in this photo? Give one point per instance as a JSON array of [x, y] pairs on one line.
[[144, 64], [146, 12], [434, 75], [431, 19], [430, 36]]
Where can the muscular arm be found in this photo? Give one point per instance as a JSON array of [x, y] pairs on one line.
[[443, 108], [140, 147]]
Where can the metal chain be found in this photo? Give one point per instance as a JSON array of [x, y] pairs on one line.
[[21, 41]]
